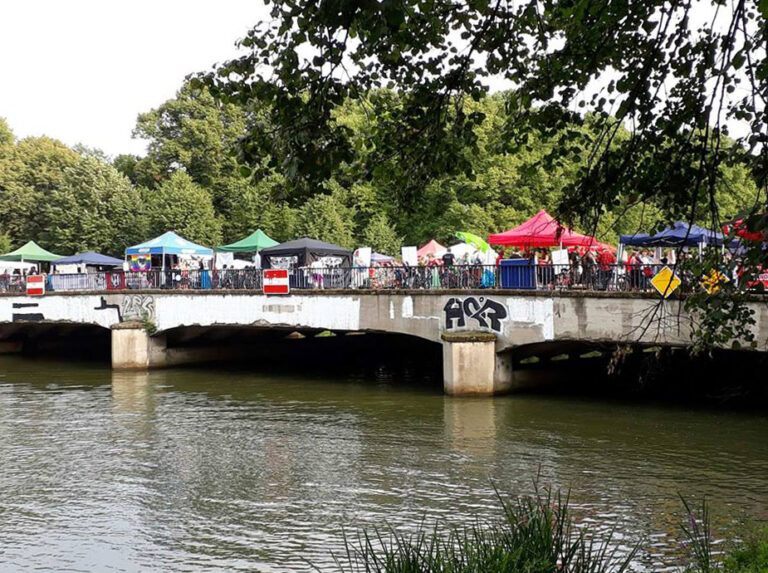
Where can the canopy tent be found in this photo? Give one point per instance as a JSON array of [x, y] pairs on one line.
[[379, 258], [431, 248], [636, 240], [305, 251], [541, 230], [31, 252], [169, 244], [740, 228], [253, 243], [461, 249], [681, 234], [89, 258]]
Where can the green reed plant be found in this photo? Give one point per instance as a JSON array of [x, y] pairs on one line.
[[697, 531], [535, 535]]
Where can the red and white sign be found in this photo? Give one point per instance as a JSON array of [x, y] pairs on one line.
[[35, 285], [276, 281]]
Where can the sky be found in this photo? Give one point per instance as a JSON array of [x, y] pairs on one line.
[[82, 70]]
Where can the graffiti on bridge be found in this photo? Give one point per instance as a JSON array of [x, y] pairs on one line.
[[138, 307], [488, 313]]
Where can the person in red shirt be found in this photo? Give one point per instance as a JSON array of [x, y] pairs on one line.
[[606, 261]]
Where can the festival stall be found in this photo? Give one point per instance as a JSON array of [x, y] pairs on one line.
[[30, 252], [154, 253], [314, 263], [540, 231], [381, 259], [253, 243], [86, 262], [83, 271], [303, 252], [431, 248], [680, 234]]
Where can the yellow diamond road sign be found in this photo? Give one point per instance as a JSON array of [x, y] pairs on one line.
[[666, 282]]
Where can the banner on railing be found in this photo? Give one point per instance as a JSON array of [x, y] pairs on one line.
[[276, 281], [35, 285], [115, 281]]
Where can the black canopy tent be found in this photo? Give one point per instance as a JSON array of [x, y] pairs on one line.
[[306, 251]]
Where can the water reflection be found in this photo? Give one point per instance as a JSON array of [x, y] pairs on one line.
[[203, 469]]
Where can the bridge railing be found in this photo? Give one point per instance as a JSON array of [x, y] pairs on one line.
[[541, 277]]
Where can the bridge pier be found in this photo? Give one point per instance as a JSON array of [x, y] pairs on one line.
[[471, 366], [134, 349]]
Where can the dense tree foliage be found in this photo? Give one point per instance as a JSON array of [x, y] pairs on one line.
[[192, 180], [672, 72]]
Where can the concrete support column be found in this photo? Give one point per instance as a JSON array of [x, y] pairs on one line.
[[471, 367], [134, 349]]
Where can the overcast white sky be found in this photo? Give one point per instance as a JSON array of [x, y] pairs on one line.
[[82, 70]]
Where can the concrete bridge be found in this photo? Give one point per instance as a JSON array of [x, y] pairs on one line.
[[477, 329]]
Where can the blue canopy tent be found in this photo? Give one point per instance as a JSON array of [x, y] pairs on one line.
[[89, 258], [681, 234], [638, 240], [169, 244]]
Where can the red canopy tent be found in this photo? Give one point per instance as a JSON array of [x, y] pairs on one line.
[[542, 230], [432, 247], [740, 228]]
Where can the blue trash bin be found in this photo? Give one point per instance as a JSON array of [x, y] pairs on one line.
[[518, 274]]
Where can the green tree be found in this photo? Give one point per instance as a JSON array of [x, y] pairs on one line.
[[381, 236], [195, 133], [94, 208], [327, 218], [29, 171], [182, 206], [6, 135]]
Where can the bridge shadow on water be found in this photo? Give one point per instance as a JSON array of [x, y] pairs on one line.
[[734, 378]]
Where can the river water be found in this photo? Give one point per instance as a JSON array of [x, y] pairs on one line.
[[204, 469]]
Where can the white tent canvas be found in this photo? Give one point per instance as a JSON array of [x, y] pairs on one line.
[[459, 249]]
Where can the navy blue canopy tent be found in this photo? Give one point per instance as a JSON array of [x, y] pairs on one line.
[[679, 235], [89, 258]]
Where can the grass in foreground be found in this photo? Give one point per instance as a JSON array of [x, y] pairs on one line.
[[537, 535]]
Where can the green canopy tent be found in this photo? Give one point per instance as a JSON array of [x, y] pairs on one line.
[[253, 243], [32, 253]]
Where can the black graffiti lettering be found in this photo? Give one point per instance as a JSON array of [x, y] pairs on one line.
[[488, 313], [28, 317], [473, 309], [454, 311], [105, 306], [24, 304]]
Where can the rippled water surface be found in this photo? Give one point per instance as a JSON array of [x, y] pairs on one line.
[[194, 470]]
